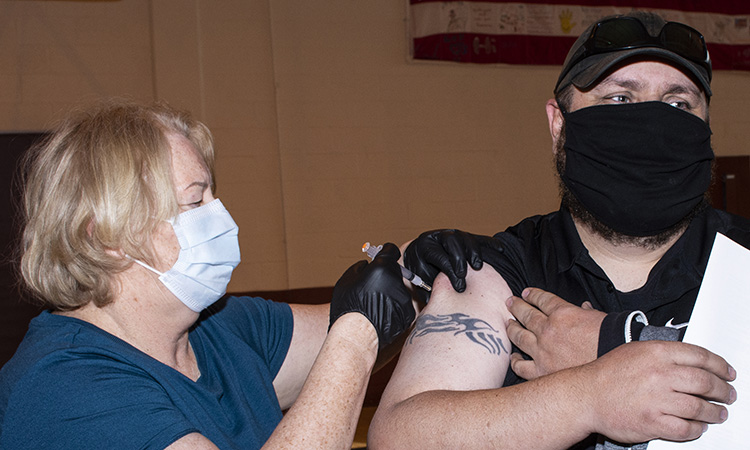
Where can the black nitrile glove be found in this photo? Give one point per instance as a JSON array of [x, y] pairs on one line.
[[377, 291], [448, 251]]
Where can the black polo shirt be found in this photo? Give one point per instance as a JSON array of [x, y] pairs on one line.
[[546, 252]]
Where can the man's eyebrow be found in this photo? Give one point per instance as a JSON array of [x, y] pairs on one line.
[[627, 83], [684, 89], [636, 85]]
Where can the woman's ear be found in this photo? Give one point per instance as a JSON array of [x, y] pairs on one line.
[[556, 121], [115, 252]]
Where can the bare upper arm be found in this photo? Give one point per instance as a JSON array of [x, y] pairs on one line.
[[459, 341], [310, 329]]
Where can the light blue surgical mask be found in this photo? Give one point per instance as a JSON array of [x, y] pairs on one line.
[[209, 252]]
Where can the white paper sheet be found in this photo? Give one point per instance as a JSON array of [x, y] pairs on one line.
[[719, 322]]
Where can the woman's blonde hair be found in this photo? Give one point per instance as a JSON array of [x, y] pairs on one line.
[[94, 190]]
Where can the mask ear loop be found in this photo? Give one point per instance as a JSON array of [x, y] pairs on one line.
[[143, 264]]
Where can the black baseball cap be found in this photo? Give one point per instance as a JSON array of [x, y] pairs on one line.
[[612, 40]]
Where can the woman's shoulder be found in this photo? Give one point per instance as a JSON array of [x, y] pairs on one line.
[[68, 375], [59, 349], [263, 325], [243, 312]]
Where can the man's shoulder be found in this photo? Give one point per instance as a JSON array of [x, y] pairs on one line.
[[731, 225], [534, 248], [541, 235], [534, 225]]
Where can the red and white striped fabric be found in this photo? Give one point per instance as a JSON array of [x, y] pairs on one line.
[[542, 32]]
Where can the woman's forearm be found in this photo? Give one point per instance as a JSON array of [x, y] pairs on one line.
[[326, 412]]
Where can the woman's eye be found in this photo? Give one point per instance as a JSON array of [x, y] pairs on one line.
[[189, 206]]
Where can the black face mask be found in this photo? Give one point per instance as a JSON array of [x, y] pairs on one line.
[[638, 168]]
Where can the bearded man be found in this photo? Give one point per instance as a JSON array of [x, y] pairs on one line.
[[620, 262]]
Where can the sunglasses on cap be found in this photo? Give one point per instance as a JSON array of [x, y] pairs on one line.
[[624, 33]]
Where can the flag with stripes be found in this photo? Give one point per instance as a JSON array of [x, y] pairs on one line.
[[541, 32]]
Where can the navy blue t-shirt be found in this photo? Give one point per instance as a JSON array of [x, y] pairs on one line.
[[73, 385]]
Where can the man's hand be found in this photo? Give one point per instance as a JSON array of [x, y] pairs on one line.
[[554, 333], [657, 389], [449, 252], [377, 291]]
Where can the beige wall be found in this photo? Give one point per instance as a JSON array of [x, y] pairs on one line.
[[327, 135]]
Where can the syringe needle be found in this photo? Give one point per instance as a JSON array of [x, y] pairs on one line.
[[373, 250]]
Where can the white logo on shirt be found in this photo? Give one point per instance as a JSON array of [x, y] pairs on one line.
[[675, 326]]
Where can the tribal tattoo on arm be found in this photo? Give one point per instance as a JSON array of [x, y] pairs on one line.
[[476, 330]]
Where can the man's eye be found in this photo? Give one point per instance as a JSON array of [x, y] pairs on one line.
[[680, 105], [620, 99]]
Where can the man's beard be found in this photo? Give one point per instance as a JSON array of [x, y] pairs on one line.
[[583, 216]]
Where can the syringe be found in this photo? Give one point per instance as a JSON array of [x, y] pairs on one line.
[[373, 250]]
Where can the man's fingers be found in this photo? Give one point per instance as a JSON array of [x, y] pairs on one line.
[[547, 302], [685, 417], [526, 314], [690, 407], [525, 369], [677, 429], [703, 384], [697, 371], [521, 337], [695, 356]]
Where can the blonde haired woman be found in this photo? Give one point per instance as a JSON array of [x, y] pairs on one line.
[[126, 244]]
